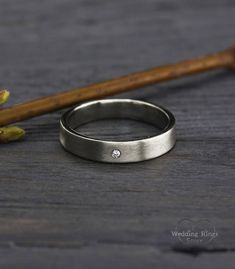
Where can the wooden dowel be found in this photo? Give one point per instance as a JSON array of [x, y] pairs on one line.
[[20, 112]]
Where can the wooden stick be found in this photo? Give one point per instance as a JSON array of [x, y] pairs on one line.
[[27, 110]]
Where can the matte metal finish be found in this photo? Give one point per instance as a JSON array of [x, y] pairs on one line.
[[117, 151]]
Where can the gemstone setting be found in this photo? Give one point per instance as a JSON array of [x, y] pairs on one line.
[[116, 153]]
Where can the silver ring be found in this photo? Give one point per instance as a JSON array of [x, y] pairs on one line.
[[117, 151]]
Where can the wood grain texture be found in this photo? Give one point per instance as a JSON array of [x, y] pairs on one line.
[[59, 211]]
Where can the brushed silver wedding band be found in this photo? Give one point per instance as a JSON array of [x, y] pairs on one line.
[[117, 151]]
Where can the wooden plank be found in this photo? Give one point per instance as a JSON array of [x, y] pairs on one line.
[[102, 256]]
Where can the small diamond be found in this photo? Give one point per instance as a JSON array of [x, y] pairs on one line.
[[116, 153]]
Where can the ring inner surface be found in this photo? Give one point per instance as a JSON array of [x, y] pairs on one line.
[[118, 110]]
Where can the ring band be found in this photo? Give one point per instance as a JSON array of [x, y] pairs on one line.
[[117, 151]]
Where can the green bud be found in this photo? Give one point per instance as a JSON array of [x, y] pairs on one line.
[[11, 133], [4, 95]]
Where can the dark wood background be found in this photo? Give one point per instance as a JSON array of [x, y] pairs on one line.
[[60, 211]]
